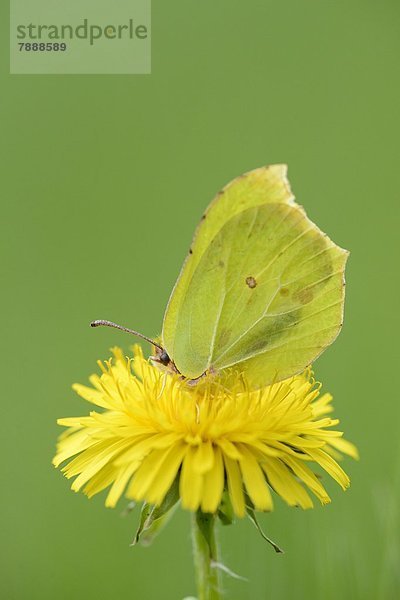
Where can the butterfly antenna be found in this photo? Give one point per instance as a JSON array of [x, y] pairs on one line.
[[103, 323]]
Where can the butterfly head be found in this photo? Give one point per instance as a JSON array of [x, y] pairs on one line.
[[162, 357]]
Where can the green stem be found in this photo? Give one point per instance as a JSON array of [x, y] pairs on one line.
[[205, 554]]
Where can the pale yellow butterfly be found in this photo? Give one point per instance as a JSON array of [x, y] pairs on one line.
[[261, 290]]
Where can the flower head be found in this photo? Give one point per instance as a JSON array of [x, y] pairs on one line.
[[212, 436]]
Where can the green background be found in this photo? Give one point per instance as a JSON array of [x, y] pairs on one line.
[[103, 181]]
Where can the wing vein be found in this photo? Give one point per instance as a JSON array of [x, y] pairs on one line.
[[271, 348], [242, 335], [274, 258]]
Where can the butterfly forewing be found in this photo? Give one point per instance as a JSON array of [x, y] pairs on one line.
[[261, 186]]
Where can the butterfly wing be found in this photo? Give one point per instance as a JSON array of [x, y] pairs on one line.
[[265, 296], [260, 186]]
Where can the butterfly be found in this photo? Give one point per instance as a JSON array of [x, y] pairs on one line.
[[261, 290]]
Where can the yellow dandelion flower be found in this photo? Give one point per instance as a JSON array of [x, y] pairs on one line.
[[155, 428]]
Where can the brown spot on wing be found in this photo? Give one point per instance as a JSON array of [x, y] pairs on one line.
[[304, 296], [251, 282]]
